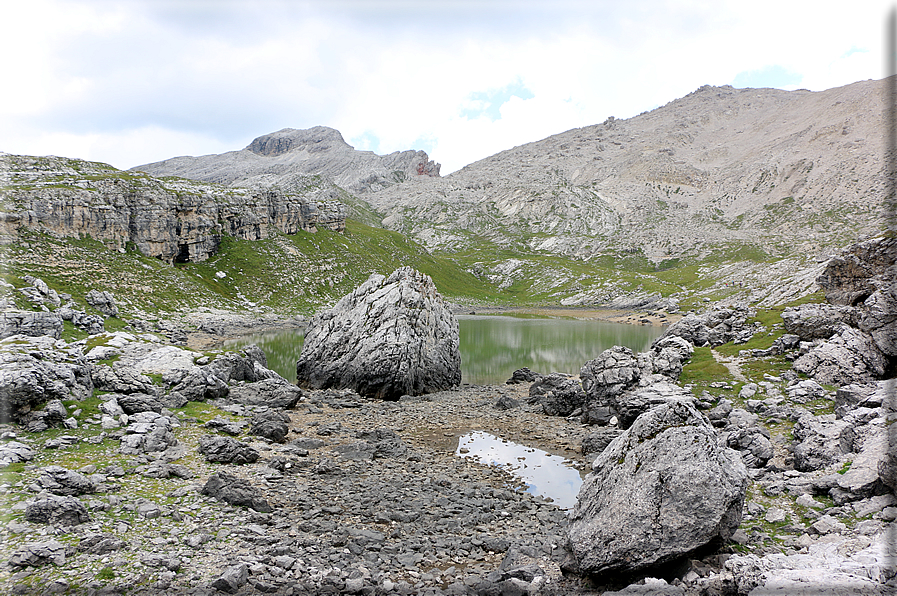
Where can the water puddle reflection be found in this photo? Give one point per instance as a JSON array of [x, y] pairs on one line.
[[544, 474]]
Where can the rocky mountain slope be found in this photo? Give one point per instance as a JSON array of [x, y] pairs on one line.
[[782, 172], [743, 190], [271, 159]]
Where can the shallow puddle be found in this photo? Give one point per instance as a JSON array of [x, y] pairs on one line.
[[544, 474]]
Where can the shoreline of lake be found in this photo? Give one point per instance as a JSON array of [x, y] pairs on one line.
[[213, 329]]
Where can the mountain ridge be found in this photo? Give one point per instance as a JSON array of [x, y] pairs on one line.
[[318, 150]]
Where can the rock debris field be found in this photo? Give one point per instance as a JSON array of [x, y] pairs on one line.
[[361, 495]]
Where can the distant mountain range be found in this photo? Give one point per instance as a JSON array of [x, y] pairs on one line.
[[752, 171]]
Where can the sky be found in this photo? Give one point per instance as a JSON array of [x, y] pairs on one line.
[[129, 82]]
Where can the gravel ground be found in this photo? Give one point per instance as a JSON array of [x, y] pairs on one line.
[[350, 515]]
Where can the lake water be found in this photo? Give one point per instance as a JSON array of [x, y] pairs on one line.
[[493, 347], [543, 473]]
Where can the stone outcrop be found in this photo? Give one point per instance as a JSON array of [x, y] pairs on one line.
[[392, 336], [612, 380], [33, 324], [716, 327], [172, 220], [34, 370], [658, 492]]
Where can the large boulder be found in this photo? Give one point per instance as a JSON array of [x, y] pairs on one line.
[[660, 491], [392, 336]]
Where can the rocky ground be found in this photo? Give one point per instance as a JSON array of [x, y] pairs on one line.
[[368, 496], [404, 514]]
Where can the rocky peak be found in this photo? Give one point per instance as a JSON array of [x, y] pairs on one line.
[[314, 140]]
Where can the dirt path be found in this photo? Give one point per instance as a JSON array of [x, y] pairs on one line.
[[733, 363]]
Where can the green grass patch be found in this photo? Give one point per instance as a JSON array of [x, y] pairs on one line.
[[703, 368]]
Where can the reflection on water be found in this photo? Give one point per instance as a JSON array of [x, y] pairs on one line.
[[282, 350], [493, 347], [544, 474]]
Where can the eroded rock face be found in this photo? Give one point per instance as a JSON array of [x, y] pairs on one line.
[[392, 336], [662, 489], [174, 221], [853, 276], [850, 356]]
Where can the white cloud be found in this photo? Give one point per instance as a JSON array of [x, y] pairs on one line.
[[133, 81]]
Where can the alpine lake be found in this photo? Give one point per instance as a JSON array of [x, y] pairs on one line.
[[492, 348]]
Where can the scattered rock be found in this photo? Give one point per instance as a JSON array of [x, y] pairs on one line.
[[226, 450], [235, 491]]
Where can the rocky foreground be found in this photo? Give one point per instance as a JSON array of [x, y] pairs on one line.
[[741, 454]]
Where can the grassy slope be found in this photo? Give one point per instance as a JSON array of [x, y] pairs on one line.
[[301, 273]]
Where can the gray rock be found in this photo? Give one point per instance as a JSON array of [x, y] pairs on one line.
[[32, 324], [121, 379], [659, 491], [235, 491], [596, 441], [754, 444], [61, 481], [819, 441], [392, 336], [15, 452], [56, 510], [271, 425], [522, 375], [713, 328], [633, 403], [850, 278], [817, 321], [226, 450], [274, 393], [139, 402], [559, 394], [35, 370], [604, 378], [198, 385], [506, 402], [230, 427], [850, 356], [103, 302], [37, 554], [233, 578], [387, 442], [101, 544]]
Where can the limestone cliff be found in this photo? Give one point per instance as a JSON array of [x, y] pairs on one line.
[[173, 220]]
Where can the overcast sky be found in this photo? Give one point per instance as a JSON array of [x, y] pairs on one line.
[[130, 82]]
